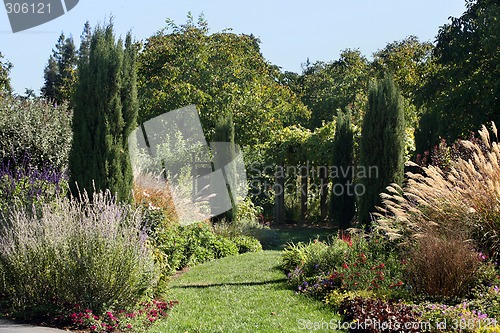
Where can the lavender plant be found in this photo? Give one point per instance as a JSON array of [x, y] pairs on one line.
[[23, 183], [90, 253]]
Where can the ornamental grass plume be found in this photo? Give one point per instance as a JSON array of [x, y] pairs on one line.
[[462, 201]]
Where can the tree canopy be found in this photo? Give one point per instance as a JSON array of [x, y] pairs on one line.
[[218, 72], [464, 91]]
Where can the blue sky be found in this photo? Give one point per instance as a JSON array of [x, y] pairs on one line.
[[290, 31]]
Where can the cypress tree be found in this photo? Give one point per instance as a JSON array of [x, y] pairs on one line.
[[224, 132], [59, 74], [105, 112], [342, 200], [381, 146]]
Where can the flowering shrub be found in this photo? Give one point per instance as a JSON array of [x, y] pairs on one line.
[[346, 264], [75, 252], [23, 183], [138, 320]]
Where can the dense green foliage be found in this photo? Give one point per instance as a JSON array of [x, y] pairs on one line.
[[381, 146], [105, 113], [462, 93], [5, 67], [35, 129], [327, 88], [190, 245], [225, 153], [60, 72], [342, 196], [219, 72]]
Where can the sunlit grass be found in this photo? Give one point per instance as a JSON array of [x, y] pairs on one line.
[[245, 293]]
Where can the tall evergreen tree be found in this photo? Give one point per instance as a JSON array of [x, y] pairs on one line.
[[381, 146], [105, 112], [224, 132], [5, 67], [60, 72], [342, 200]]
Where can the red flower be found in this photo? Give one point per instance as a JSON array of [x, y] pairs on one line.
[[345, 266]]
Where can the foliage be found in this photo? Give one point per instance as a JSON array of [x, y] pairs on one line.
[[463, 92], [191, 245], [5, 67], [462, 200], [246, 244], [410, 62], [327, 88], [37, 129], [376, 315], [60, 72], [347, 264], [138, 320], [23, 184], [219, 72], [342, 200], [460, 317], [224, 154], [442, 266], [83, 252], [381, 146], [105, 112]]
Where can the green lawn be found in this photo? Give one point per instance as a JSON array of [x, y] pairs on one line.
[[245, 293]]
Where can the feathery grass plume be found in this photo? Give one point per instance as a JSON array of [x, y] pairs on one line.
[[173, 200], [464, 200]]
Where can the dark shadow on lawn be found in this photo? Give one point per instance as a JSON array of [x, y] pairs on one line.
[[202, 286]]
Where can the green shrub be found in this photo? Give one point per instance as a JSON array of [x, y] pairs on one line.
[[247, 244], [75, 252], [348, 264], [191, 245], [36, 128]]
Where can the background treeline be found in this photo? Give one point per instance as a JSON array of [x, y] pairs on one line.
[[446, 89]]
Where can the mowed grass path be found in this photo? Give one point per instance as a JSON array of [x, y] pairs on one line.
[[245, 293]]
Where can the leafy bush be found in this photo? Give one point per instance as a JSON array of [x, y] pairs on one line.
[[247, 244], [191, 245], [464, 199], [376, 315], [75, 252], [37, 128], [346, 264], [442, 266]]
